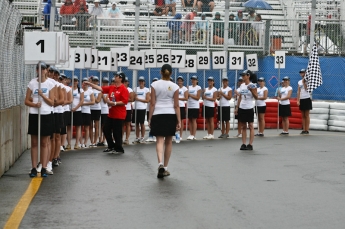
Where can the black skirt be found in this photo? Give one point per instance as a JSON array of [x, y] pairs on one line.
[[225, 113], [209, 112], [46, 124], [95, 115], [140, 116], [261, 110], [86, 119], [193, 113], [183, 112], [284, 110], [305, 104], [104, 118], [77, 118], [67, 116], [163, 125], [245, 115], [58, 122], [128, 116]]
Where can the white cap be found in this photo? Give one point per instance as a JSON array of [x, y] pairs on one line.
[[114, 3], [96, 1]]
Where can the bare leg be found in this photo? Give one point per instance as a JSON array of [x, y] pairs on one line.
[[227, 127], [307, 120], [167, 150], [51, 152], [142, 130], [244, 132], [34, 150], [91, 131], [251, 133], [128, 129], [261, 122], [194, 126], [87, 134], [210, 126], [96, 132], [44, 151], [137, 130], [57, 145], [303, 120], [182, 128], [77, 134], [159, 148], [69, 135], [63, 139]]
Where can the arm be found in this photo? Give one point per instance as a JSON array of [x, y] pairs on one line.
[[81, 101], [105, 98], [196, 97], [298, 95], [288, 96], [185, 98], [64, 97], [214, 98], [69, 97], [94, 86], [254, 92], [92, 101], [265, 96], [152, 104], [238, 104], [227, 96], [99, 97], [146, 100], [177, 109], [28, 99], [123, 100], [60, 97], [131, 97]]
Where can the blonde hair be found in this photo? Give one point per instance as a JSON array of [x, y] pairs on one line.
[[166, 74]]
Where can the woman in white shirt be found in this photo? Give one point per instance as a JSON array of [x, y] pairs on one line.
[[224, 95], [261, 105], [89, 99], [42, 99], [210, 95], [284, 96], [182, 96], [67, 113], [245, 109], [193, 106], [304, 102], [95, 114], [128, 119], [164, 112], [237, 95], [78, 100], [142, 97], [104, 112]]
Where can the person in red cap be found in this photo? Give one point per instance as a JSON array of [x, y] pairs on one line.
[[118, 98]]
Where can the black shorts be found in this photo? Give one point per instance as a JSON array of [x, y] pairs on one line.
[[245, 115], [95, 115], [305, 104], [128, 116], [188, 4], [193, 113], [163, 125], [209, 112], [183, 112], [104, 118], [225, 113], [140, 116], [46, 124], [77, 118], [261, 110], [158, 10], [86, 119], [57, 123], [64, 125], [284, 110], [67, 116]]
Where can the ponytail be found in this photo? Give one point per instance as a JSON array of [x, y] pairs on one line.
[[166, 74], [78, 89]]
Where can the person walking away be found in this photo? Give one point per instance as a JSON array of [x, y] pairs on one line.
[[164, 112]]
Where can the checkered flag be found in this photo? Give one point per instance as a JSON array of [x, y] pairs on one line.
[[313, 74]]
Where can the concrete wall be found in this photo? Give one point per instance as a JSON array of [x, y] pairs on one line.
[[13, 135]]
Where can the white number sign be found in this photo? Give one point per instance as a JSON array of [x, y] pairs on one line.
[[252, 62], [236, 60], [203, 60], [122, 56], [219, 60], [94, 59], [137, 60], [163, 57], [279, 59], [79, 58], [104, 60], [190, 65], [114, 62], [40, 46], [178, 58], [69, 65], [150, 58], [87, 58]]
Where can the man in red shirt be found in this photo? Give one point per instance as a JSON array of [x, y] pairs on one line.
[[118, 98], [160, 8]]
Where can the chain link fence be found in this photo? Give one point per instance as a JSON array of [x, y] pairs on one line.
[[14, 76]]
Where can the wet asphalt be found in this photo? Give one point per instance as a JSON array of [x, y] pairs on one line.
[[285, 182]]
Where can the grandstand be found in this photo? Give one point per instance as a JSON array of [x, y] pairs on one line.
[[288, 19]]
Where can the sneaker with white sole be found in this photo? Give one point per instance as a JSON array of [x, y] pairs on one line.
[[206, 137], [210, 136], [238, 136], [50, 165], [150, 139], [126, 142], [141, 140], [161, 171], [136, 140], [49, 171], [154, 139], [39, 167], [190, 137], [62, 149]]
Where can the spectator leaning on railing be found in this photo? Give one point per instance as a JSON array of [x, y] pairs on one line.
[[174, 25], [82, 18], [218, 30]]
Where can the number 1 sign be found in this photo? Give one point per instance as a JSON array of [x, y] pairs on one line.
[[40, 46]]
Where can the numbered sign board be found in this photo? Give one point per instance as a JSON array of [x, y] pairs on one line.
[[94, 59], [236, 60], [178, 58], [190, 65], [279, 59], [67, 48], [163, 57], [252, 62], [69, 66], [203, 60], [122, 56], [87, 58], [219, 60], [104, 60], [150, 58], [114, 65], [79, 58], [61, 49], [137, 60], [40, 46]]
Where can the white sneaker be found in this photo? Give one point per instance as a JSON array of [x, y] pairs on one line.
[[141, 140], [39, 168], [180, 139], [136, 140], [193, 138], [174, 139], [49, 171], [189, 137], [206, 137], [238, 136], [210, 136], [154, 139], [83, 146], [62, 149], [150, 139], [105, 143]]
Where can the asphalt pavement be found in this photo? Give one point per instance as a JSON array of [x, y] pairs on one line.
[[285, 182]]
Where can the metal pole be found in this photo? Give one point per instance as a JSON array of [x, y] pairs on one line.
[[312, 25], [72, 105], [278, 95], [226, 35], [235, 88], [39, 112], [52, 15], [99, 124], [136, 40], [220, 83], [203, 101], [187, 119]]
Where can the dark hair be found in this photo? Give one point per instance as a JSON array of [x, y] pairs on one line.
[[166, 70], [253, 77], [259, 15]]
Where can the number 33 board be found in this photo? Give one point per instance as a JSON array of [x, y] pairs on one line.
[[40, 46]]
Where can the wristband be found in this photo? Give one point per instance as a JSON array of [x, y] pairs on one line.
[[114, 103]]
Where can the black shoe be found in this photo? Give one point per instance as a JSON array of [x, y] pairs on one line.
[[284, 133], [120, 152], [44, 172], [249, 147], [306, 132], [257, 135], [261, 135], [243, 147], [108, 150], [55, 162], [303, 132], [160, 171], [100, 144], [33, 172]]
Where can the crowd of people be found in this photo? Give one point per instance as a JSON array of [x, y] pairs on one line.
[[104, 111]]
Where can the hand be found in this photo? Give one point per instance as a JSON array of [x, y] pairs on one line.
[[38, 105], [236, 111], [178, 126], [149, 124], [40, 92], [298, 103], [73, 110]]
